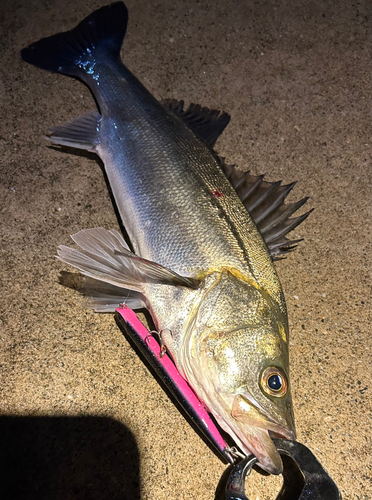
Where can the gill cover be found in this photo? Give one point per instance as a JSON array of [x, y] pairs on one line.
[[238, 359]]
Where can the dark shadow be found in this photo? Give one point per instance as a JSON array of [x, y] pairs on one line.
[[83, 153], [74, 281], [63, 458]]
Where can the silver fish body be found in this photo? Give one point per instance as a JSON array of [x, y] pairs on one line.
[[226, 323]]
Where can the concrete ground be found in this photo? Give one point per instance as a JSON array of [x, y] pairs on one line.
[[81, 417]]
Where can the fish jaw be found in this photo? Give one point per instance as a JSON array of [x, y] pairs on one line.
[[262, 446], [248, 412], [252, 435], [257, 430]]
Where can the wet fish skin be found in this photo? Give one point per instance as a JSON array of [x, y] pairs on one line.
[[225, 334]]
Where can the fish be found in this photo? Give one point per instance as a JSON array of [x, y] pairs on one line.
[[202, 236]]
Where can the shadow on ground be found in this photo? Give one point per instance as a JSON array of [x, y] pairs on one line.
[[67, 458]]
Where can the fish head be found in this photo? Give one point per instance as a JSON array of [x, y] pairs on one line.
[[238, 363]]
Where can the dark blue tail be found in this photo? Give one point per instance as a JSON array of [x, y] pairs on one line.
[[100, 35]]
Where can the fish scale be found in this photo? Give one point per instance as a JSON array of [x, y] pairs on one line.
[[171, 156]]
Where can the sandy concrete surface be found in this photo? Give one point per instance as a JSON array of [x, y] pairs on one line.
[[81, 415]]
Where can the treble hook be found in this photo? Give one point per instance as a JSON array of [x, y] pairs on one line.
[[304, 478], [163, 348]]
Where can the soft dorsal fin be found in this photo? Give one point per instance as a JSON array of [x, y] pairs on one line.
[[208, 124], [265, 204]]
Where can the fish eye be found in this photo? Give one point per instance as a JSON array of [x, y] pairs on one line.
[[274, 382]]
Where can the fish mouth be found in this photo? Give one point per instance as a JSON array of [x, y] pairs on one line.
[[261, 445], [256, 431]]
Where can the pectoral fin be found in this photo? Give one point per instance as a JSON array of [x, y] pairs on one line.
[[105, 256]]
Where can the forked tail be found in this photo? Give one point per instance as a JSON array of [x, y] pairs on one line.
[[98, 37]]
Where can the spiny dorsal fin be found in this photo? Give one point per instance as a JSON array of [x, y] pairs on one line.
[[265, 204], [208, 124], [263, 200]]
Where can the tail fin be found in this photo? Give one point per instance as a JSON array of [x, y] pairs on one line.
[[74, 52]]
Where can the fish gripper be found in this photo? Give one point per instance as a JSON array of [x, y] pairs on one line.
[[304, 478]]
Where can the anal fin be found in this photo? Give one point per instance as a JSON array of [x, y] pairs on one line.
[[80, 133]]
